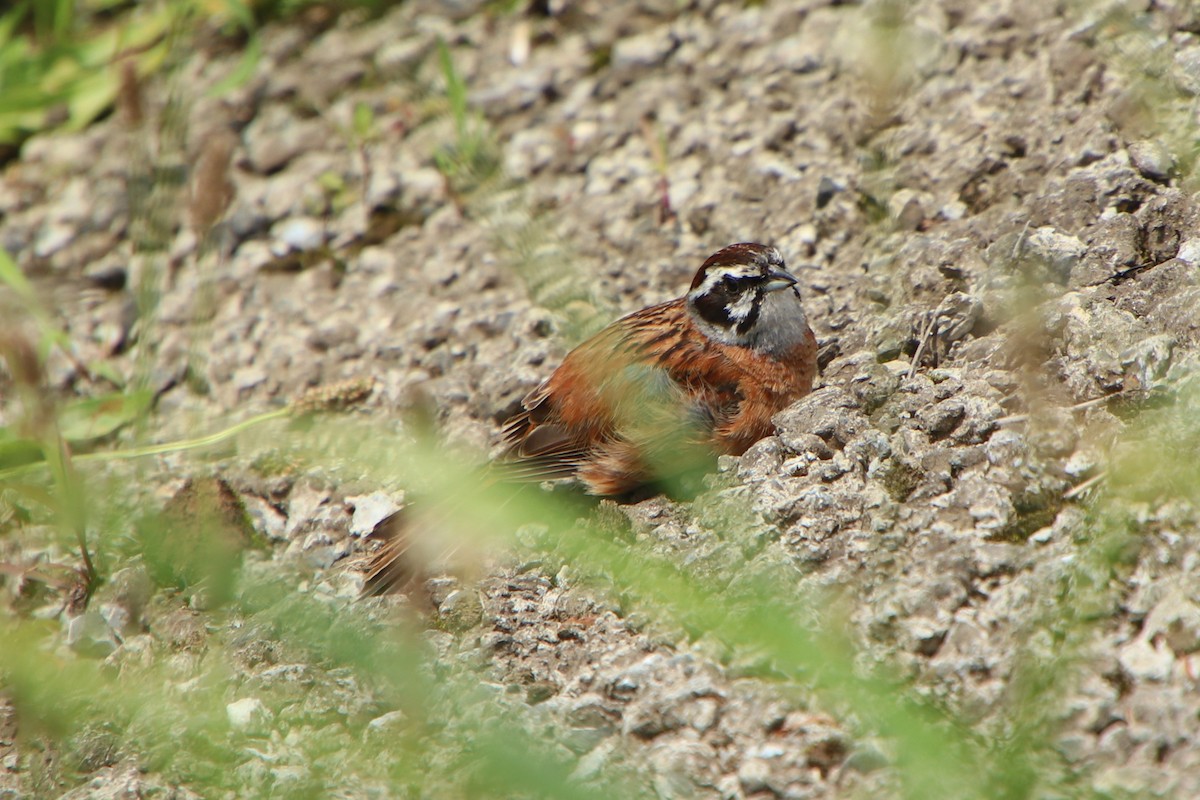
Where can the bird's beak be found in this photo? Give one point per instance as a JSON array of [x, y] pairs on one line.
[[778, 279]]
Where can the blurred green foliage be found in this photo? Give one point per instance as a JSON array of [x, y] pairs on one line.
[[61, 61], [481, 741], [1157, 101]]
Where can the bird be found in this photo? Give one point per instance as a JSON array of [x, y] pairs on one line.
[[661, 389]]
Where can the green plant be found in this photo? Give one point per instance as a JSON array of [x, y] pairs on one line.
[[471, 162], [60, 62]]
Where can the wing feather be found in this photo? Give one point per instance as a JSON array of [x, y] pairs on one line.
[[643, 384]]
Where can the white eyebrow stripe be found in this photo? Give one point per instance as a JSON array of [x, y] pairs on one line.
[[715, 276]]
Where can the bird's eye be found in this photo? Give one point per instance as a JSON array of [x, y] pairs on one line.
[[728, 282]]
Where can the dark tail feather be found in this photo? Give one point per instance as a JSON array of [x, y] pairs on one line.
[[532, 470], [419, 541], [390, 569]]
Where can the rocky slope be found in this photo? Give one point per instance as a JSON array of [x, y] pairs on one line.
[[991, 209]]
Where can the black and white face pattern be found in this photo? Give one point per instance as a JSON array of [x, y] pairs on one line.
[[726, 298]]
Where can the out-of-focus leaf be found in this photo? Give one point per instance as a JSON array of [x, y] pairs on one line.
[[236, 10], [26, 100], [11, 508], [242, 72], [106, 370], [9, 22], [134, 36], [16, 452], [12, 277], [16, 497], [94, 417], [90, 97], [364, 121], [58, 18]]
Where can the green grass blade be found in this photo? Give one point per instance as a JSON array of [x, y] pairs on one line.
[[456, 90], [12, 277]]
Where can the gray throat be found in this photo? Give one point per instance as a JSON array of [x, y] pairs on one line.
[[782, 325]]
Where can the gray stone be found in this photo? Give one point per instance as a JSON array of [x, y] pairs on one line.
[[460, 610], [1189, 251], [90, 634], [1187, 63], [941, 419], [643, 50], [276, 137], [1152, 159], [385, 726], [1055, 253]]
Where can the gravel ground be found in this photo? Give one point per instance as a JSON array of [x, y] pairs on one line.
[[990, 207]]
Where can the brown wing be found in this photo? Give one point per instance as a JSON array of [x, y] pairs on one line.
[[636, 388]]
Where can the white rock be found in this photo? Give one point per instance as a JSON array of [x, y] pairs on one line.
[[644, 50], [1059, 251], [1147, 661], [1189, 251], [1177, 618], [385, 725], [591, 764], [754, 775], [266, 518], [52, 238], [369, 510], [117, 617], [248, 714], [1152, 159], [299, 234]]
